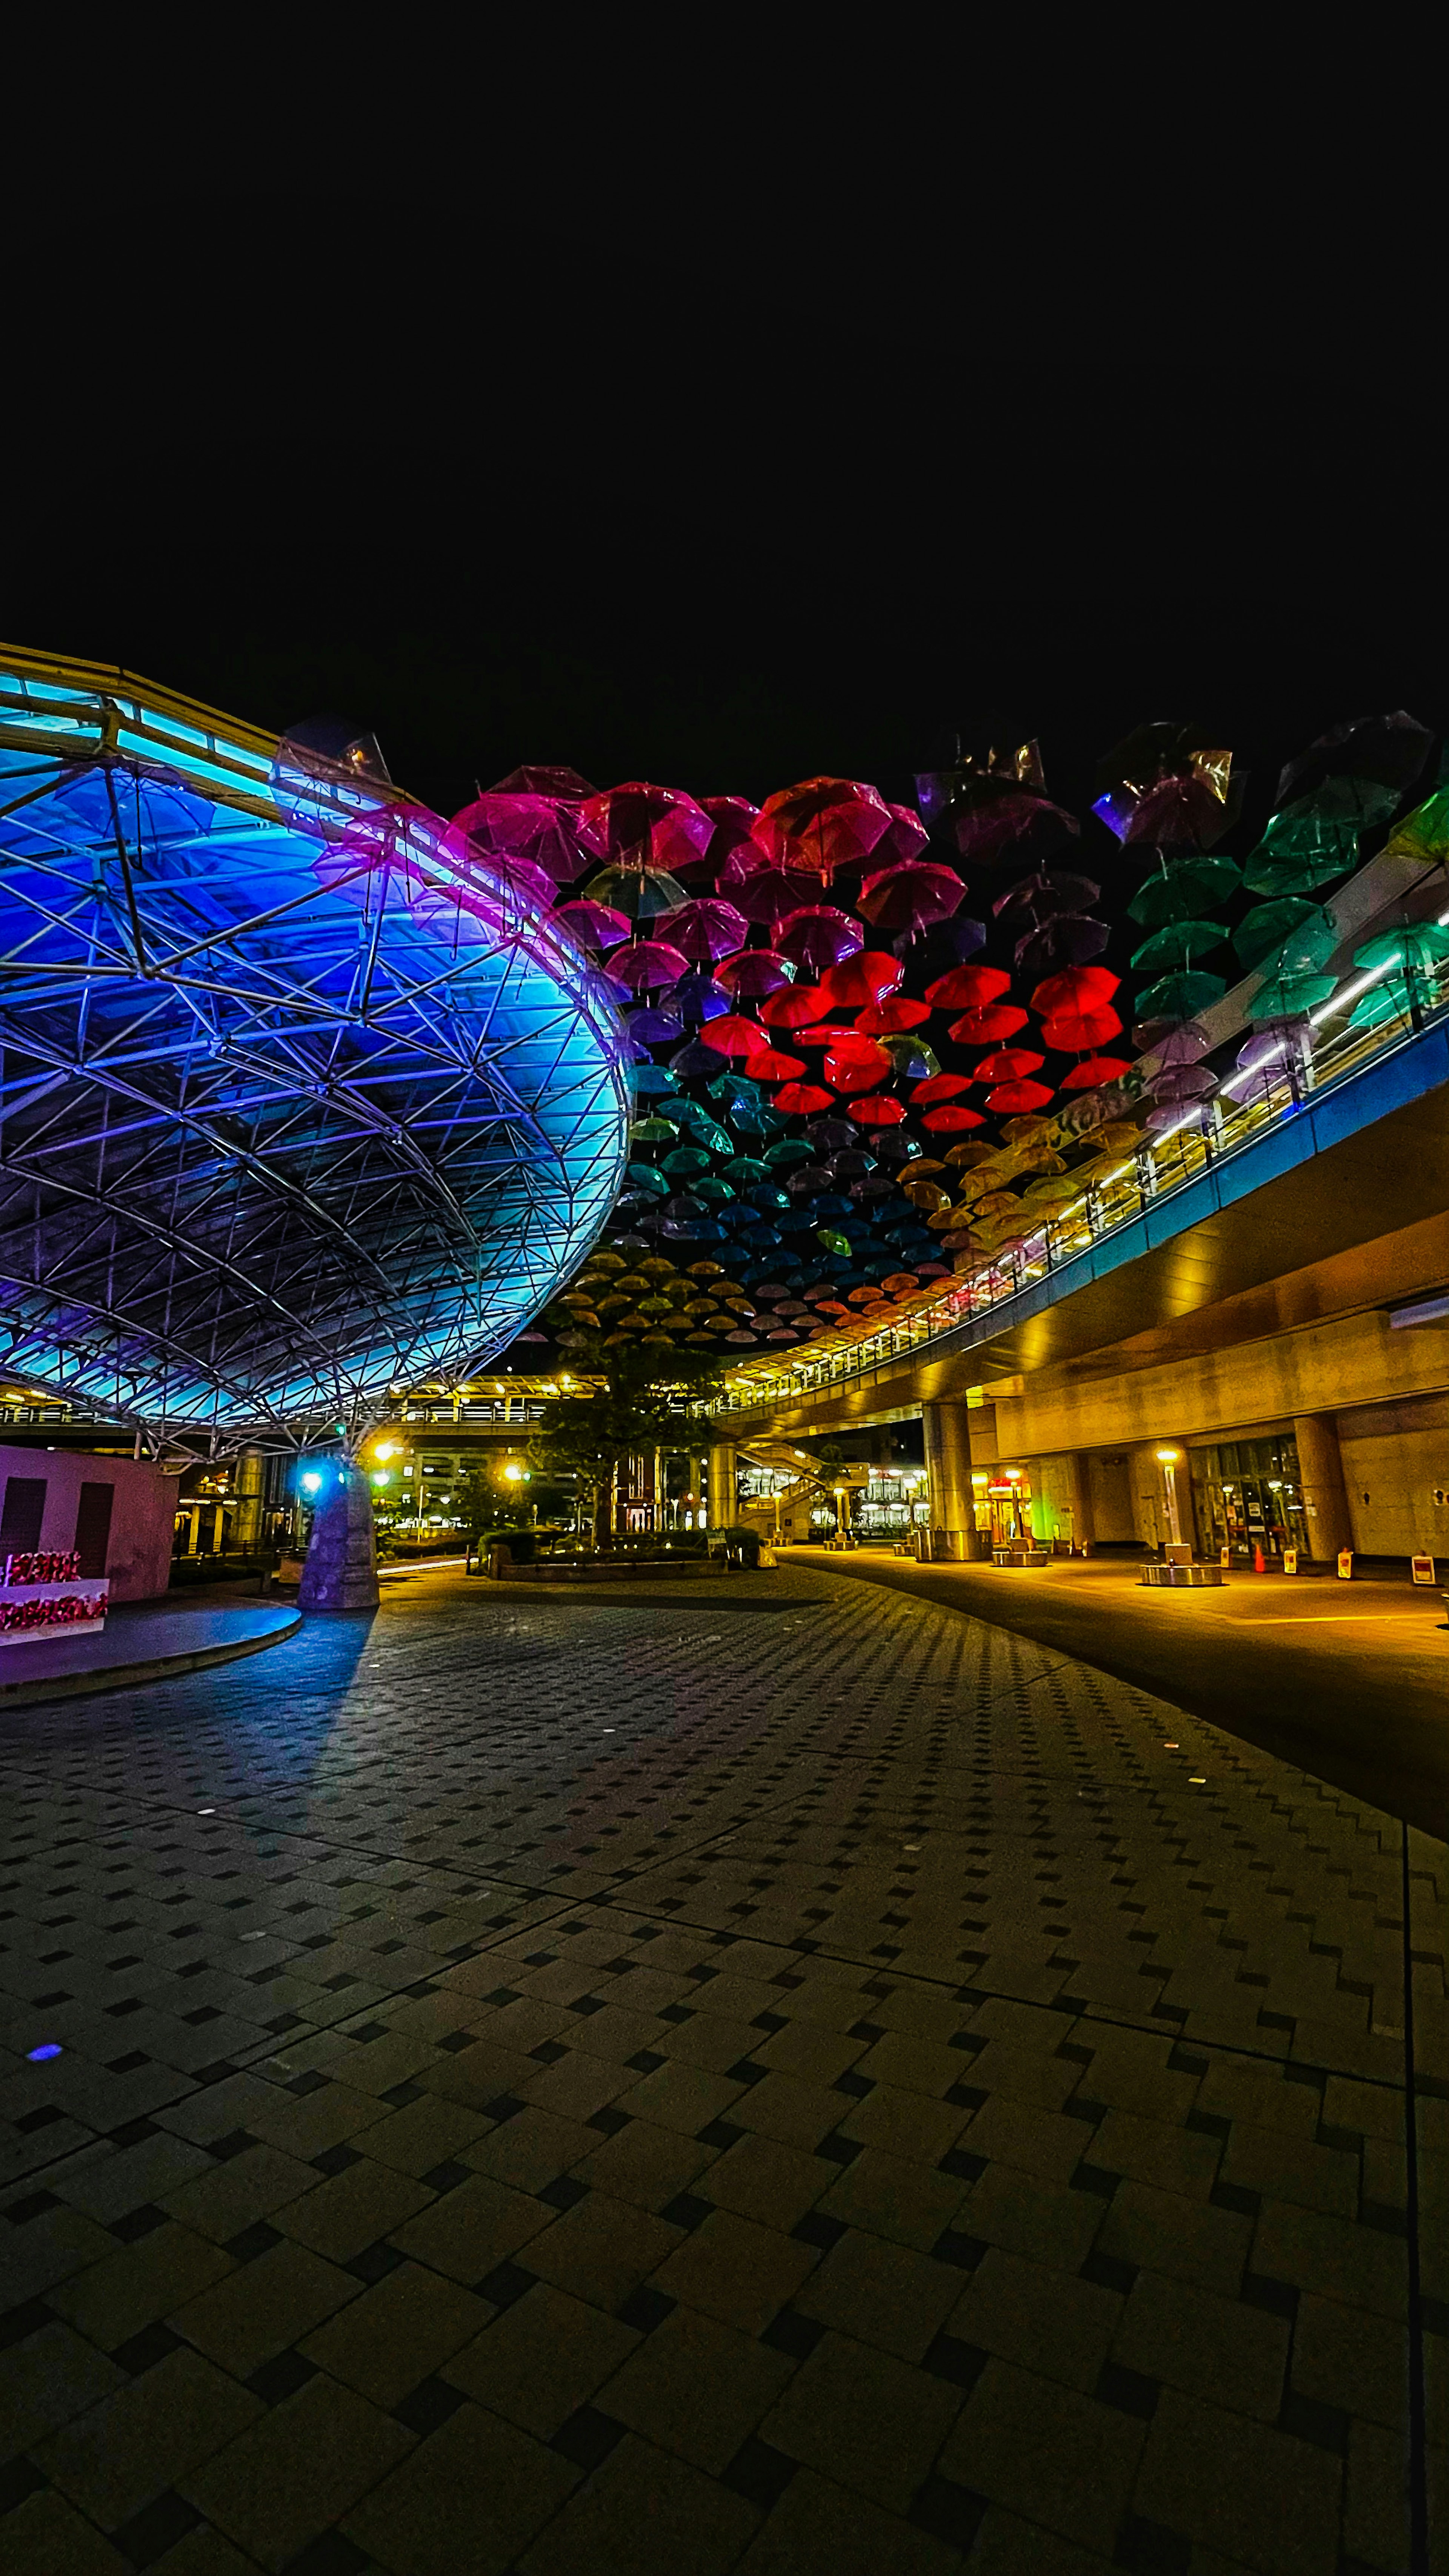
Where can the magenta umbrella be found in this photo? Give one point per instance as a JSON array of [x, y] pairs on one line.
[[911, 895], [646, 964], [817, 936], [708, 928], [537, 828], [906, 838], [642, 826], [753, 973], [764, 893], [595, 924]]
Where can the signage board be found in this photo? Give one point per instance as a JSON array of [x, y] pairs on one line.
[[1290, 1560], [44, 1594], [1345, 1565], [1422, 1568]]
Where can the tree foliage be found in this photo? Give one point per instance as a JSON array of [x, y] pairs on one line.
[[636, 1409]]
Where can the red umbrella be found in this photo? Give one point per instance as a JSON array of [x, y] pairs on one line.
[[1095, 1069], [1012, 1096], [769, 1065], [892, 1017], [646, 963], [645, 826], [753, 972], [594, 923], [857, 981], [945, 1121], [826, 1033], [1077, 988], [803, 1100], [707, 928], [822, 824], [1072, 1032], [1007, 1064], [855, 1065], [941, 1086], [967, 986], [881, 1112], [911, 895], [818, 935], [988, 1025], [793, 1008], [732, 1035]]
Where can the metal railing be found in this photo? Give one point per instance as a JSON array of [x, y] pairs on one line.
[[1158, 1168]]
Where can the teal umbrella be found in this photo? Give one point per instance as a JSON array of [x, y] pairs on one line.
[[1390, 1000], [1177, 997], [1290, 937], [1288, 997], [1317, 836], [1178, 944], [1182, 888], [1420, 948]]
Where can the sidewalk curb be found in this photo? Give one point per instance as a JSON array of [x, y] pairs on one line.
[[160, 1668]]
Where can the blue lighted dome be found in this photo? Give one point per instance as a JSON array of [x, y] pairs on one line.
[[299, 1095]]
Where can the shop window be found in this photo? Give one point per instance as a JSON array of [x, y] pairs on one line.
[[1248, 1496]]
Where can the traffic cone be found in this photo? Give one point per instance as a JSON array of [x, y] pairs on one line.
[[1259, 1562]]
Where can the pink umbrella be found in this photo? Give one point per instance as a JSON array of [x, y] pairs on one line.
[[646, 963], [822, 824], [763, 893], [644, 826], [707, 928], [538, 828], [906, 837], [594, 923], [565, 784], [818, 935], [911, 895], [754, 972]]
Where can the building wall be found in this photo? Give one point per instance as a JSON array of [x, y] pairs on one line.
[[138, 1551], [1396, 1474]]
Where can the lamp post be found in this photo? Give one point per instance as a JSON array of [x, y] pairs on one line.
[[1167, 1459]]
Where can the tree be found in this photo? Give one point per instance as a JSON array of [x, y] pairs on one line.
[[636, 1408]]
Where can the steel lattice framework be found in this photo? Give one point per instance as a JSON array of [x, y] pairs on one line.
[[295, 1095]]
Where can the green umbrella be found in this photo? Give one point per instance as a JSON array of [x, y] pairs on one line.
[[1290, 937], [911, 1057], [1178, 997], [1178, 944], [789, 1151], [1420, 948], [685, 1162], [1181, 888], [714, 1189], [1316, 837], [643, 893], [744, 1171], [1390, 1000], [652, 1131], [1288, 997]]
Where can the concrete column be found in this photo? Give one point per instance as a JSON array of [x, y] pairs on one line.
[[948, 1468], [723, 1506], [1320, 1472], [341, 1568], [1079, 1495]]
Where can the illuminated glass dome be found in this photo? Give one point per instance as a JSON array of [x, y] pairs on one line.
[[299, 1094]]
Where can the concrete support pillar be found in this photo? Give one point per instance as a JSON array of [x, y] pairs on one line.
[[1320, 1472], [948, 1468], [723, 1505], [340, 1572], [1079, 1495]]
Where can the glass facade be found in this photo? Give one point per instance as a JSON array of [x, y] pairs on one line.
[[1247, 1495]]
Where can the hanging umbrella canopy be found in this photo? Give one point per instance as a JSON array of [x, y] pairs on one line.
[[950, 1117], [1095, 1070], [802, 1099], [646, 964], [967, 987], [792, 1008], [1422, 948], [643, 826], [1077, 988], [645, 894], [940, 1086], [597, 925], [988, 1025], [1165, 785], [1007, 1064], [913, 1060], [892, 1017], [754, 973], [1177, 997], [817, 936], [1018, 1095], [733, 1036], [1386, 751], [1177, 944], [1068, 940], [877, 1111], [1286, 997], [1316, 837], [822, 824], [1290, 937], [542, 829], [764, 893], [1073, 1032], [859, 980], [733, 818], [1043, 896], [1179, 888], [707, 928], [565, 786], [1184, 1082], [768, 1064], [911, 895], [856, 1064]]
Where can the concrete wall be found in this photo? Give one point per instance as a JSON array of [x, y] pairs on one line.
[[143, 1515], [1395, 1460]]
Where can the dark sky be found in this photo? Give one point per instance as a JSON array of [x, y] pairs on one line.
[[728, 502]]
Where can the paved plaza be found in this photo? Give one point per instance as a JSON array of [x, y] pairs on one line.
[[765, 2074]]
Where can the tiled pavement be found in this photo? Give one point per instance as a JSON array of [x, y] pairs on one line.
[[784, 2079]]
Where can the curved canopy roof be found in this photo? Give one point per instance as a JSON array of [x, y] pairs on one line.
[[297, 1095]]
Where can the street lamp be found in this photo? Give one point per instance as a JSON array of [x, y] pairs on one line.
[[1167, 1460]]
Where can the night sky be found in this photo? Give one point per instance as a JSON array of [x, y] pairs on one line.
[[724, 511]]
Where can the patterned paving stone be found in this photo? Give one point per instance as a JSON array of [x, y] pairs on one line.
[[574, 2086]]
